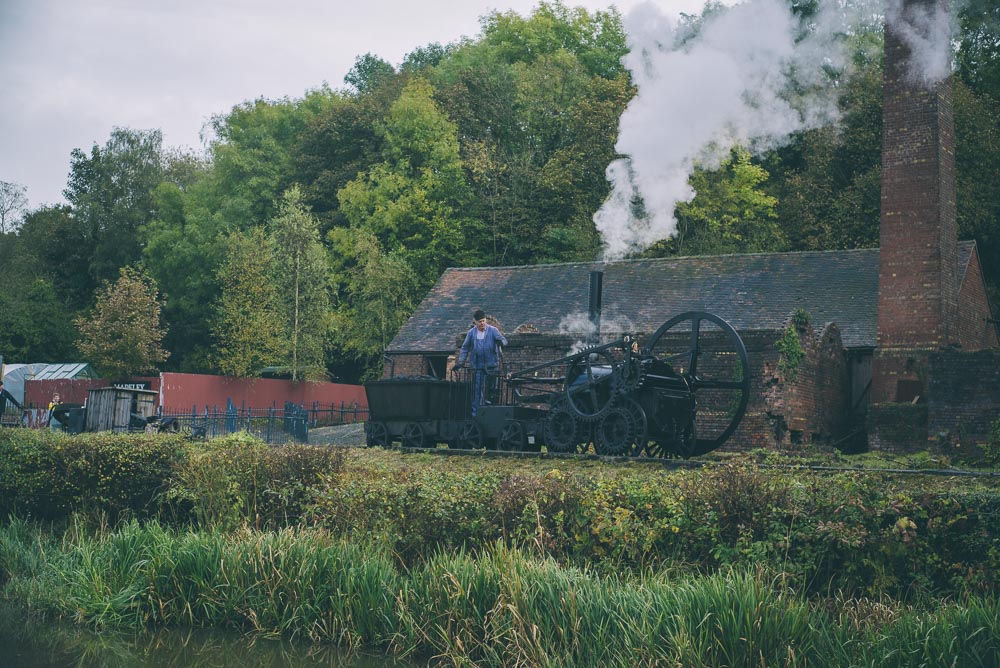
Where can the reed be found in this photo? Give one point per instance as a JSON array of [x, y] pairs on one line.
[[501, 607]]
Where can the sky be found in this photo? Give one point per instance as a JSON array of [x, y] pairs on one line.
[[72, 70]]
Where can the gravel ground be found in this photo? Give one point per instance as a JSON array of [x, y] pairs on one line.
[[344, 434]]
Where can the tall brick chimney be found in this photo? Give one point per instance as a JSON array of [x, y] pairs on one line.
[[918, 257]]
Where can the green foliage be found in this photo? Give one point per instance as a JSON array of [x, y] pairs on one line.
[[248, 327], [46, 474], [111, 192], [413, 200], [253, 155], [992, 449], [303, 292], [122, 335], [502, 607], [37, 325], [730, 213], [237, 481], [790, 346], [382, 291], [296, 581]]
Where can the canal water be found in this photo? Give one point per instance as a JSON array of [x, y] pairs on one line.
[[26, 642]]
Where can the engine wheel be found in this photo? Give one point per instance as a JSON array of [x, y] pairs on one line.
[[562, 431], [413, 435], [638, 416], [616, 433]]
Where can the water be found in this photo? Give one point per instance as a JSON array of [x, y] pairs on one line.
[[26, 642]]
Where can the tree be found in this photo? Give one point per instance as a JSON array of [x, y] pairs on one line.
[[978, 56], [368, 73], [413, 201], [303, 285], [249, 330], [382, 292], [111, 191], [729, 213], [253, 155], [122, 334], [12, 203]]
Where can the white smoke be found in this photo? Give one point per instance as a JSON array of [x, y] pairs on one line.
[[926, 29], [578, 324], [752, 76]]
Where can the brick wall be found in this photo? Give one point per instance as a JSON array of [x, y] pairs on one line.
[[964, 396], [975, 332], [808, 404]]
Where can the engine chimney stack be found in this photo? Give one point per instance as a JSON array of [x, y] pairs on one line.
[[596, 290]]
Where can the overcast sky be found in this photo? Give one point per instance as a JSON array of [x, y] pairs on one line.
[[71, 70]]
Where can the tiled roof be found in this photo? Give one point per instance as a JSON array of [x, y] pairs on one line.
[[752, 292]]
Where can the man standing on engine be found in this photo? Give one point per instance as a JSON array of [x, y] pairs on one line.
[[481, 351]]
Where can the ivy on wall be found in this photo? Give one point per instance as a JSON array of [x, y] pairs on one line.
[[790, 345]]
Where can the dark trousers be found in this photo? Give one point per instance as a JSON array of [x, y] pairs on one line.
[[481, 379]]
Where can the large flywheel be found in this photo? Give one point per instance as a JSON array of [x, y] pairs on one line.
[[695, 385]]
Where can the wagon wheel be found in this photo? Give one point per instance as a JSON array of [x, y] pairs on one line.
[[376, 434], [590, 385], [413, 435], [562, 430], [709, 355], [514, 437], [470, 436]]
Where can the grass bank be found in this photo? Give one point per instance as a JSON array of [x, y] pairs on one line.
[[866, 534]]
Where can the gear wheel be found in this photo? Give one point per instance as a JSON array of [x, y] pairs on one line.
[[562, 430], [615, 433], [629, 375]]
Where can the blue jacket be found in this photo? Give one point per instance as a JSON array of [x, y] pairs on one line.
[[481, 353]]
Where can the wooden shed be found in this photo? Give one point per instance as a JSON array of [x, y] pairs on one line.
[[112, 408]]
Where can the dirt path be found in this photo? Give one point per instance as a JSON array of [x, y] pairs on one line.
[[344, 434]]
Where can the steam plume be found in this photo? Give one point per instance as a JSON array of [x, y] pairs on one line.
[[753, 75]]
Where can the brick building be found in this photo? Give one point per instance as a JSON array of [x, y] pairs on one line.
[[885, 326]]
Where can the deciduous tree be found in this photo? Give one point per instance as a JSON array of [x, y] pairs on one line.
[[303, 285], [249, 329], [12, 203], [122, 334], [382, 291], [111, 191]]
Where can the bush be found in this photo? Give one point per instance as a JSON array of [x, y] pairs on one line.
[[238, 480], [991, 451], [48, 474]]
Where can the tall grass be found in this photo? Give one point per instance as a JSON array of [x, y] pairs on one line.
[[504, 607]]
